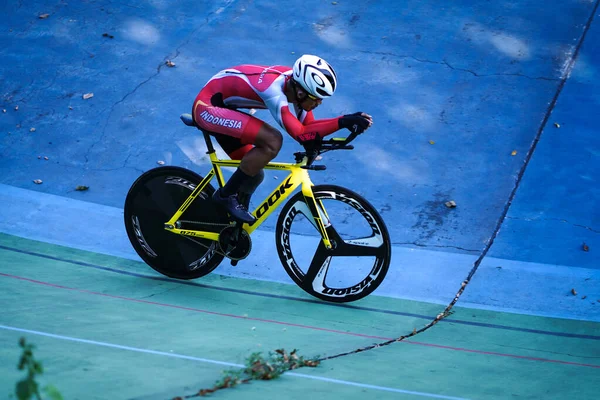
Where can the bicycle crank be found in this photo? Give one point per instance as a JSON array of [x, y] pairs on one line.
[[235, 243]]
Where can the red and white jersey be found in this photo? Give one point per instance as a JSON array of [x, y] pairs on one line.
[[262, 87]]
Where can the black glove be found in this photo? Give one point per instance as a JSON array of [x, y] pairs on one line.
[[355, 123], [311, 141]]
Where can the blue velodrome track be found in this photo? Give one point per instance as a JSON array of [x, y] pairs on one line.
[[491, 105]]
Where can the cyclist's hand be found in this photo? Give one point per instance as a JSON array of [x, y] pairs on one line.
[[356, 123], [311, 141], [309, 138]]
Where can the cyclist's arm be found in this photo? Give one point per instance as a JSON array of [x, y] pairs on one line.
[[277, 103], [309, 119], [295, 128]]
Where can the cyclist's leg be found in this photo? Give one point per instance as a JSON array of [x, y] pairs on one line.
[[248, 188], [248, 130], [267, 142], [267, 145], [236, 151]]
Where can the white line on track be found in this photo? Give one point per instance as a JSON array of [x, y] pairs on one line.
[[209, 361]]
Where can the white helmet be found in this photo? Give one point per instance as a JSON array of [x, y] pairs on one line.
[[315, 75]]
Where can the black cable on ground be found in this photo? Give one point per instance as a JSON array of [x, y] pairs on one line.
[[447, 311]]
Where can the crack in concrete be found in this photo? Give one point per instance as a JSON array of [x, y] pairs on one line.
[[116, 169], [447, 64], [87, 10], [437, 246], [112, 108], [543, 78], [158, 70], [22, 133], [554, 219], [33, 92], [159, 293], [8, 97], [33, 22]]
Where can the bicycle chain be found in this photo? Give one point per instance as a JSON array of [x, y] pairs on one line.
[[207, 247], [211, 224]]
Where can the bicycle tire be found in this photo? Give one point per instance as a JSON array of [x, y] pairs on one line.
[[151, 201], [375, 244]]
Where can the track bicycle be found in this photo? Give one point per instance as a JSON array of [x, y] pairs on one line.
[[330, 240]]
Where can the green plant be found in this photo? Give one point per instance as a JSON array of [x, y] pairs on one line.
[[28, 388], [258, 368]]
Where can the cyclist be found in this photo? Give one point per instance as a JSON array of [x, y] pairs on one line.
[[253, 141]]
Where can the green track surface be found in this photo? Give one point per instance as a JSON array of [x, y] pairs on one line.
[[112, 302]]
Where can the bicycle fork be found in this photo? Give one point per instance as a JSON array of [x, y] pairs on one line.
[[319, 214]]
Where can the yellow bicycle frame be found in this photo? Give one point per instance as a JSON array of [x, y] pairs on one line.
[[297, 176]]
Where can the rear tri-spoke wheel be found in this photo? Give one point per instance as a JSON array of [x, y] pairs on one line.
[[152, 200], [359, 258]]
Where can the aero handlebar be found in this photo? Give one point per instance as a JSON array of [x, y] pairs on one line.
[[323, 147]]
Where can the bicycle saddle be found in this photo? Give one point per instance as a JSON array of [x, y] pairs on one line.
[[187, 119]]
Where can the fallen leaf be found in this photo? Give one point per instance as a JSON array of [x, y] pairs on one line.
[[170, 63], [37, 181], [583, 297], [585, 247], [32, 130], [107, 35], [574, 292], [16, 108], [82, 188], [43, 16], [334, 2], [45, 158], [514, 153], [431, 142], [88, 96], [160, 162], [253, 328], [556, 124], [70, 108], [39, 157], [451, 204], [4, 110]]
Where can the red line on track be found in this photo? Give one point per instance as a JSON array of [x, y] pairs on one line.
[[316, 328]]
